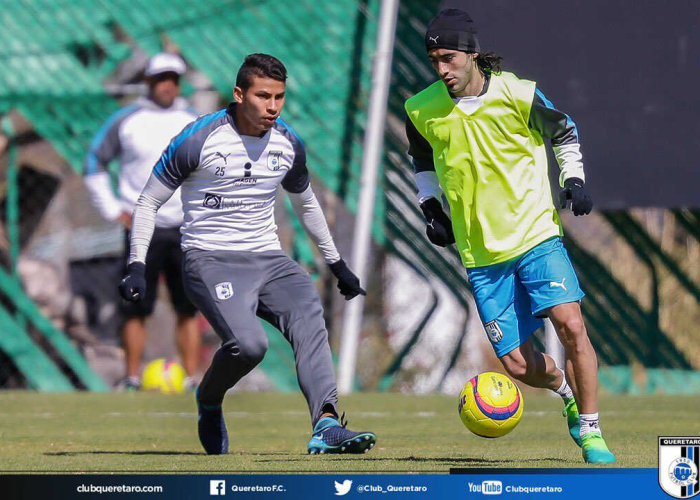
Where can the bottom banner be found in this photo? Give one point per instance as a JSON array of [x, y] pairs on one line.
[[571, 484]]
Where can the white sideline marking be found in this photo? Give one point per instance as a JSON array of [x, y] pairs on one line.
[[251, 414], [366, 414]]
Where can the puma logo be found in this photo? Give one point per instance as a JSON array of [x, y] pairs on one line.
[[222, 156], [560, 285], [434, 39]]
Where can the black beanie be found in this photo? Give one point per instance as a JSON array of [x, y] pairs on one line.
[[452, 29]]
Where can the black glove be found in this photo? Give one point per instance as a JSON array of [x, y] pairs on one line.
[[439, 229], [133, 286], [348, 283], [575, 191]]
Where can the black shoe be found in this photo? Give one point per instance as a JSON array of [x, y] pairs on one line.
[[129, 384], [212, 428]]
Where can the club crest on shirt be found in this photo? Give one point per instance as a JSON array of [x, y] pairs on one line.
[[273, 160], [224, 290], [493, 331]]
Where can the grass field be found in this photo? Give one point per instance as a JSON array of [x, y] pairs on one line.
[[268, 432]]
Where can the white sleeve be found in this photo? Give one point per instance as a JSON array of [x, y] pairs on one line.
[[570, 162], [154, 194], [307, 208], [102, 195], [428, 186]]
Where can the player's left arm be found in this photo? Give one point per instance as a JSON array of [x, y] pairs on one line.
[[557, 126], [307, 208]]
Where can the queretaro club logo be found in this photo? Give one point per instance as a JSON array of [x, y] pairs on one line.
[[679, 461], [273, 160]]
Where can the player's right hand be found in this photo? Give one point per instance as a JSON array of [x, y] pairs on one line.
[[133, 286], [125, 220], [439, 229]]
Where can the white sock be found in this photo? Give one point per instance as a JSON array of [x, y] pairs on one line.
[[589, 423], [564, 390]]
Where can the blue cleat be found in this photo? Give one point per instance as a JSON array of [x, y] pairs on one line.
[[212, 428], [331, 436], [594, 449], [572, 420]]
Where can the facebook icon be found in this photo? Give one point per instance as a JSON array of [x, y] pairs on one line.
[[217, 488]]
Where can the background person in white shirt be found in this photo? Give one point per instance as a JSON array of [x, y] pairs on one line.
[[137, 135]]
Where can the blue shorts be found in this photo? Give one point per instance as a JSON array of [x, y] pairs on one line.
[[512, 296]]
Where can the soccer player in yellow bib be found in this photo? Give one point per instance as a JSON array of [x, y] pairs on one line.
[[477, 136]]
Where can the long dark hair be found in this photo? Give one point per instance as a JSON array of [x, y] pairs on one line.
[[489, 62]]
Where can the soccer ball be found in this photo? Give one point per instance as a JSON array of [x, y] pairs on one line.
[[167, 377], [490, 405]]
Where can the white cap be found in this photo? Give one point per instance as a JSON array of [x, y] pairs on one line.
[[164, 63]]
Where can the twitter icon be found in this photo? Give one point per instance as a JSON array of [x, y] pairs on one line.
[[342, 488]]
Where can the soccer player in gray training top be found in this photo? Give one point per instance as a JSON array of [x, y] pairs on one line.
[[229, 164]]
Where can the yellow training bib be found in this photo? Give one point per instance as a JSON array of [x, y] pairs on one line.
[[492, 168]]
